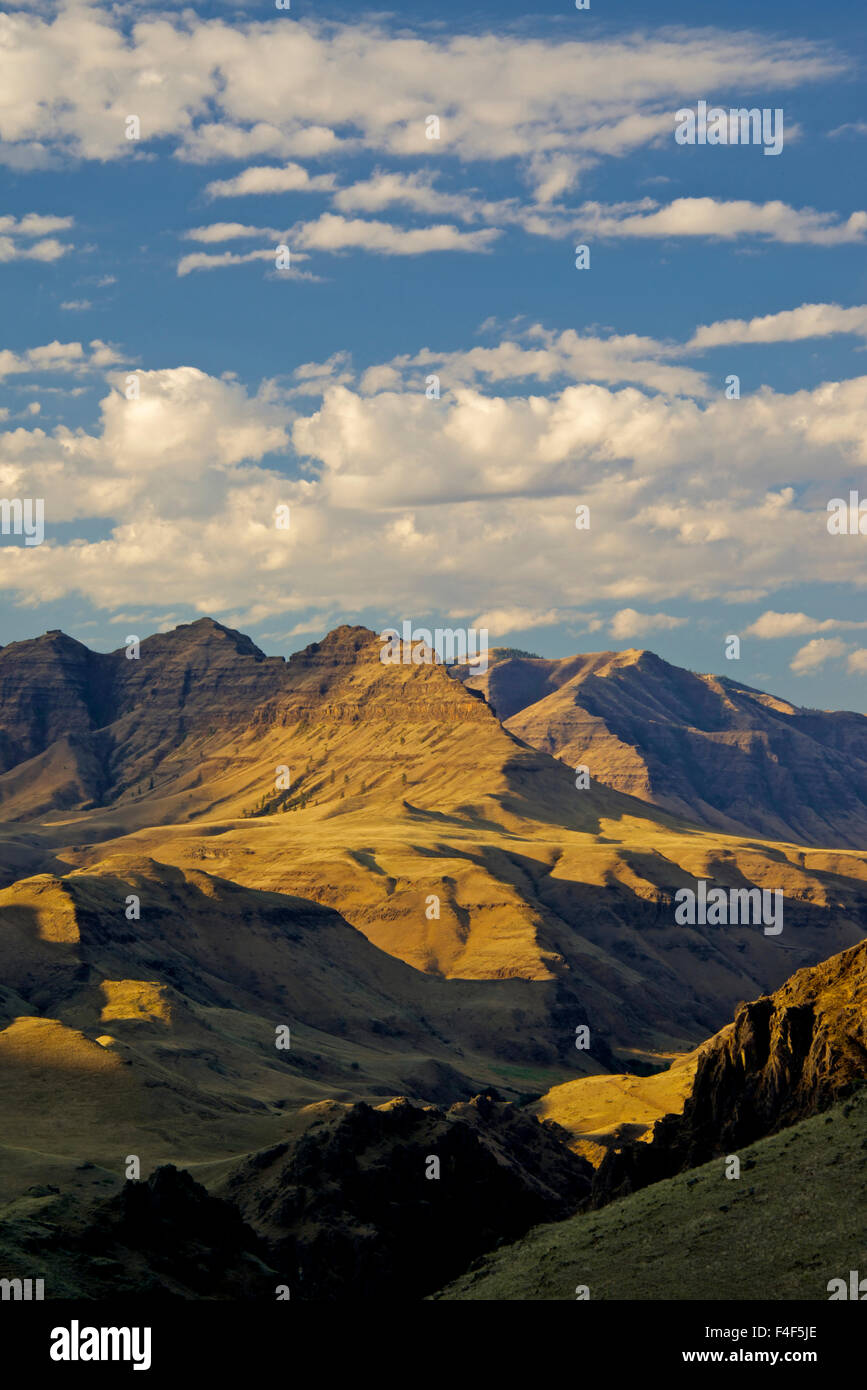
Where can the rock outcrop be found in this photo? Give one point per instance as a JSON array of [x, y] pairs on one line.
[[784, 1058], [391, 1201]]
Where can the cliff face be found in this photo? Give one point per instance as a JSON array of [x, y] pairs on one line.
[[83, 728], [343, 678], [50, 687], [79, 727], [53, 687], [785, 1057]]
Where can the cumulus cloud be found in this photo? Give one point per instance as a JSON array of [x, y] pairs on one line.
[[420, 193], [814, 655], [207, 260], [627, 622], [290, 178], [499, 622], [26, 238], [59, 357], [331, 232], [789, 326], [772, 624], [471, 498], [68, 81], [541, 355], [720, 220], [228, 231]]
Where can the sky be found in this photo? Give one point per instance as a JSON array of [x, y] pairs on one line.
[[422, 375]]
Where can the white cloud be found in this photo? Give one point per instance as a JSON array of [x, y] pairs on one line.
[[229, 231], [153, 458], [772, 624], [216, 140], [58, 357], [857, 662], [544, 356], [206, 260], [291, 178], [17, 234], [331, 232], [853, 127], [789, 326], [816, 653], [470, 498], [501, 621], [721, 220], [420, 193], [627, 622], [34, 224], [296, 87]]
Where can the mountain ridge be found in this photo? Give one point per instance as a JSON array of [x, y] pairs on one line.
[[704, 747]]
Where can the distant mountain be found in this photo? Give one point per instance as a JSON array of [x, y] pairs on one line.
[[81, 728], [700, 746]]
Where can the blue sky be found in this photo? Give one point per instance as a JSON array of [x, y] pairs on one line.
[[409, 256]]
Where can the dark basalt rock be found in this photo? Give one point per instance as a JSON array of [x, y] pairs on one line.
[[348, 1212], [785, 1057]]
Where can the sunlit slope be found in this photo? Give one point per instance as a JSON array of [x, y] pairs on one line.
[[157, 1036], [599, 1112]]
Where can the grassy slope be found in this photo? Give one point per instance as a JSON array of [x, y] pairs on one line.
[[603, 1112], [793, 1220]]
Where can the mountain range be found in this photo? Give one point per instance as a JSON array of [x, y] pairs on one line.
[[235, 890]]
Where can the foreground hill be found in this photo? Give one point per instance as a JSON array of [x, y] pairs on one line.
[[700, 746], [355, 1209], [350, 1209], [784, 1090], [793, 1221]]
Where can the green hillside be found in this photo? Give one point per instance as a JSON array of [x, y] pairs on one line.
[[794, 1219]]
